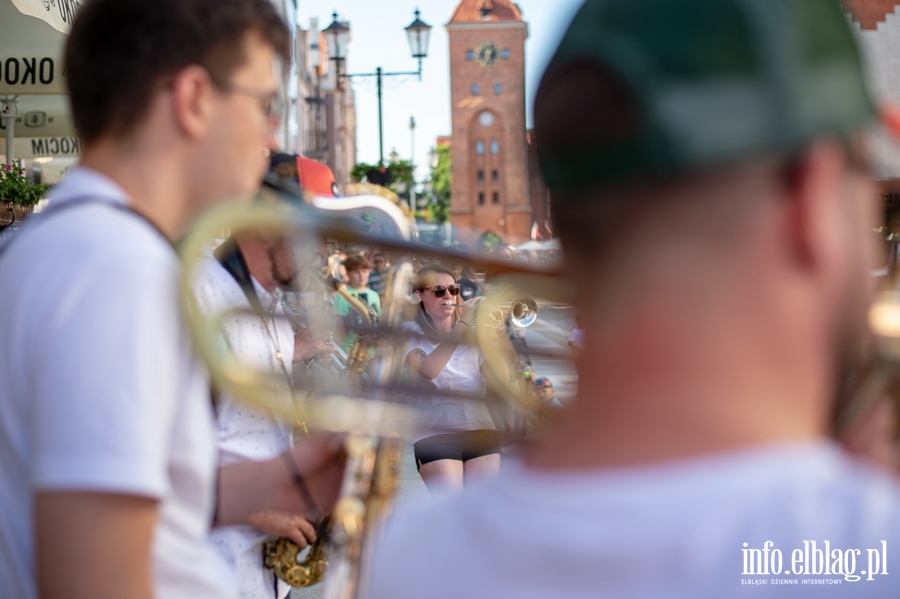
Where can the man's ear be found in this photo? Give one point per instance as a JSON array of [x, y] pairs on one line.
[[815, 186], [193, 94]]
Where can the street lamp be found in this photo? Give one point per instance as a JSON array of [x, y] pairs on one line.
[[412, 139], [418, 33], [433, 157], [337, 36]]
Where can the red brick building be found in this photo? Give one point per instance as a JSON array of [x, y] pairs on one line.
[[869, 13], [487, 88], [878, 25]]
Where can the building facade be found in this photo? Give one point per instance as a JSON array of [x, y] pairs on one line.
[[490, 192], [325, 108], [878, 24]]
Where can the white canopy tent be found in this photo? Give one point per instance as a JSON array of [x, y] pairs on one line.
[[539, 246], [33, 102]]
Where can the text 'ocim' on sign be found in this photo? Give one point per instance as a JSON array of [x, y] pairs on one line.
[[55, 146]]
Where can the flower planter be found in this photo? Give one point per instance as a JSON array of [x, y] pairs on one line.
[[10, 212]]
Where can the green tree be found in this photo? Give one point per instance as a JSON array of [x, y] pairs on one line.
[[441, 182], [396, 176]]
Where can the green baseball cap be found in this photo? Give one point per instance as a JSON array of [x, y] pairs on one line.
[[711, 82]]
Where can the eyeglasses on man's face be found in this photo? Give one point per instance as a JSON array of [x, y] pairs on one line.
[[271, 103]]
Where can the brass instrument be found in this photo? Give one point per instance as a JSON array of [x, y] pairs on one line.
[[362, 392], [522, 311], [336, 360], [878, 370], [295, 315], [281, 555]]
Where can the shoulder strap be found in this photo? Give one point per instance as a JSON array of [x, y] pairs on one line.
[[230, 257], [54, 209]]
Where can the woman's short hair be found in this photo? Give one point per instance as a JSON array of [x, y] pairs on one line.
[[425, 275]]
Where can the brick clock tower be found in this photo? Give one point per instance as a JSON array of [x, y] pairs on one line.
[[490, 192]]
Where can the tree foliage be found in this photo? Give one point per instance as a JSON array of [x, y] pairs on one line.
[[388, 175], [441, 182], [398, 176]]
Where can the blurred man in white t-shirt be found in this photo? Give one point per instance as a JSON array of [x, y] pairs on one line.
[[108, 472], [709, 184]]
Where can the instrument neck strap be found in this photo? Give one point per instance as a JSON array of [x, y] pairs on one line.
[[230, 257], [232, 260]]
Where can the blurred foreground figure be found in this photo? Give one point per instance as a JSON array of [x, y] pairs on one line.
[[107, 445], [709, 186]]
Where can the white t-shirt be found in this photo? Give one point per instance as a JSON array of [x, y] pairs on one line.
[[440, 414], [101, 390], [247, 433], [577, 337], [675, 530]]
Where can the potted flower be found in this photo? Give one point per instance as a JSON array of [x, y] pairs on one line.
[[18, 195]]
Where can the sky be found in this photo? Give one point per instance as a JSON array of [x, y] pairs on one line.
[[377, 39]]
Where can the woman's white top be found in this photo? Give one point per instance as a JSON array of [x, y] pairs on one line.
[[437, 413]]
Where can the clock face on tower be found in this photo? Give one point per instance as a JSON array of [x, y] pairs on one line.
[[487, 54]]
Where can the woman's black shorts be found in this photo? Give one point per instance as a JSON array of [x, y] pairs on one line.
[[456, 446]]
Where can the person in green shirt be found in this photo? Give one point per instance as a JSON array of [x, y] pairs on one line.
[[358, 269]]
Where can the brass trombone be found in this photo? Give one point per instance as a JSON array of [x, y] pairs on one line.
[[364, 393]]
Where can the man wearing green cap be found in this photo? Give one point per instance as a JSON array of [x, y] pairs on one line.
[[708, 179]]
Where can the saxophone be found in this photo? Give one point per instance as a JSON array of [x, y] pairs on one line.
[[370, 480]]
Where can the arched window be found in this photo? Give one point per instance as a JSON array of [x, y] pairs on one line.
[[481, 198], [475, 89], [481, 176], [496, 198], [505, 54], [470, 54], [498, 89], [495, 147], [495, 175], [479, 148]]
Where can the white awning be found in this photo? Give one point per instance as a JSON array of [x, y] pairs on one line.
[[44, 128], [57, 13], [31, 50]]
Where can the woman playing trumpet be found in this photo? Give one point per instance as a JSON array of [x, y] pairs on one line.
[[458, 438]]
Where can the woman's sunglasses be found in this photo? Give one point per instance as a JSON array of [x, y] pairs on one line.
[[440, 290]]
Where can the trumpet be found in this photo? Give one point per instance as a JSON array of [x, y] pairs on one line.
[[295, 315], [338, 359], [523, 311]]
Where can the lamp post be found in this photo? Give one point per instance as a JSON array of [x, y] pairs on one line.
[[418, 33], [412, 163], [337, 36]]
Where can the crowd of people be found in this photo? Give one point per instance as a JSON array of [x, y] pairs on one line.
[[711, 188]]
